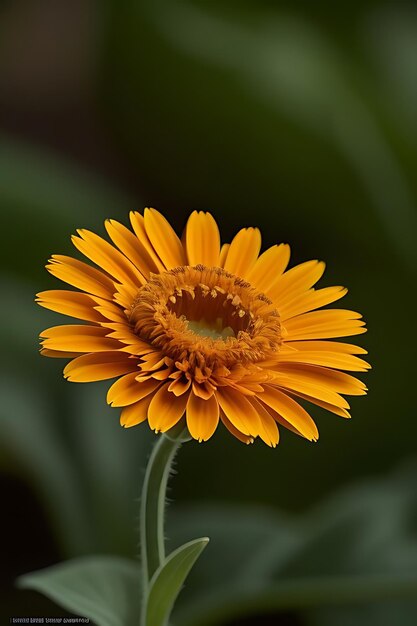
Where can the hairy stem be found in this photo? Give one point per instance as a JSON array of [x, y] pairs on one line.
[[152, 511]]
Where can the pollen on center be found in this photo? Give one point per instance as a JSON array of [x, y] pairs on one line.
[[208, 311]]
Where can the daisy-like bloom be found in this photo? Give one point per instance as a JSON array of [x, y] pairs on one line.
[[207, 331]]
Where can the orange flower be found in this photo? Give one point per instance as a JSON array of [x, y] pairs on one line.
[[213, 332]]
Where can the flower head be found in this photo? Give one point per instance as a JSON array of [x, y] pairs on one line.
[[190, 327]]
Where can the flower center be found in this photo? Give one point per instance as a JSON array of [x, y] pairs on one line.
[[208, 312], [214, 330]]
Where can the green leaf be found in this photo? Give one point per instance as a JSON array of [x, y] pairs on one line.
[[296, 595], [168, 580], [242, 538], [364, 529], [355, 553], [104, 589]]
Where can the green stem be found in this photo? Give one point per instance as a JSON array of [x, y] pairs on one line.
[[152, 511]]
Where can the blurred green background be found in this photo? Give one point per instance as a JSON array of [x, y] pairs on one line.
[[299, 118]]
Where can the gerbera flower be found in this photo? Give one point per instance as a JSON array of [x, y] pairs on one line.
[[190, 327]]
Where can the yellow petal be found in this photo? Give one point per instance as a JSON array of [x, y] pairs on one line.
[[138, 225], [203, 390], [112, 313], [202, 417], [138, 347], [283, 422], [164, 239], [323, 377], [135, 413], [103, 254], [269, 431], [321, 318], [179, 386], [268, 267], [166, 409], [291, 411], [327, 359], [59, 354], [291, 385], [131, 247], [243, 252], [78, 338], [128, 390], [323, 324], [224, 251], [239, 411], [202, 239], [354, 328], [153, 361], [324, 405], [297, 279], [129, 340], [234, 431], [72, 303], [82, 276], [310, 300], [124, 295], [99, 366], [327, 346]]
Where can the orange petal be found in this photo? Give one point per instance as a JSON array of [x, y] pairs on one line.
[[294, 384], [99, 366], [179, 386], [138, 348], [323, 324], [124, 333], [322, 377], [310, 300], [59, 354], [78, 338], [283, 422], [204, 390], [135, 413], [291, 411], [164, 239], [324, 405], [112, 313], [162, 374], [297, 279], [268, 267], [131, 246], [202, 417], [243, 252], [103, 254], [72, 303], [321, 318], [332, 332], [269, 432], [239, 411], [128, 390], [234, 431], [166, 409], [82, 276], [138, 225], [326, 359], [224, 251], [202, 239], [327, 346]]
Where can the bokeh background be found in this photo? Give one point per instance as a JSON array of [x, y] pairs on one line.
[[299, 118]]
